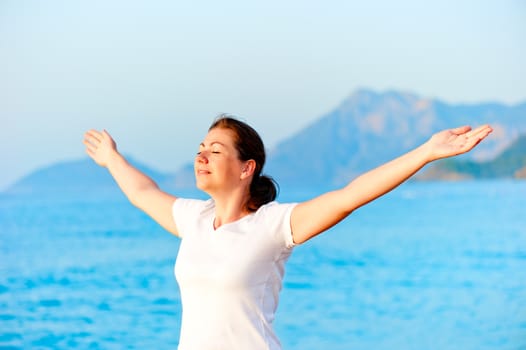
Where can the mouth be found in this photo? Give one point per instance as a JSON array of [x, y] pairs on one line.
[[202, 172]]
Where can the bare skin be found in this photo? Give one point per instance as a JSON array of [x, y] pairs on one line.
[[226, 179], [142, 191], [328, 209]]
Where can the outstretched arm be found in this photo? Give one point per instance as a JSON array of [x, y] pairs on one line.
[[141, 190], [321, 213]]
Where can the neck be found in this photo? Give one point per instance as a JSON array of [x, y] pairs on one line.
[[229, 208]]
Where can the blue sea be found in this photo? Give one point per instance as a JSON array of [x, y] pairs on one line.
[[428, 266]]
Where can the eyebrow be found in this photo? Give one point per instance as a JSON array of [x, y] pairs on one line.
[[212, 143]]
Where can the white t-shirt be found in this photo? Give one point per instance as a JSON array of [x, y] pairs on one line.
[[230, 278]]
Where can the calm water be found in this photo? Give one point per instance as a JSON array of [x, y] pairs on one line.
[[429, 266]]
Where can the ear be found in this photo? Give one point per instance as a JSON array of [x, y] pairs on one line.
[[248, 169]]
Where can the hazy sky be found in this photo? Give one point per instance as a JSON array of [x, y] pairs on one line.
[[155, 73]]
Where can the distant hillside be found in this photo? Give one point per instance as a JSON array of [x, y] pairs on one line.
[[366, 130], [510, 163], [74, 176], [370, 128]]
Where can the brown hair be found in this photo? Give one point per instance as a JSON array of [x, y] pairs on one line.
[[263, 189]]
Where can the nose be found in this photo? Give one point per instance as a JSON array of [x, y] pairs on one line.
[[201, 158]]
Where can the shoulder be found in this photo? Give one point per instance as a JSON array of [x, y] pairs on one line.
[[275, 208], [186, 211], [275, 218], [192, 205]]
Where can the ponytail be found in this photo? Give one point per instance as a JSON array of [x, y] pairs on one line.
[[263, 189]]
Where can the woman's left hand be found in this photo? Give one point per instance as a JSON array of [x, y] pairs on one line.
[[452, 142]]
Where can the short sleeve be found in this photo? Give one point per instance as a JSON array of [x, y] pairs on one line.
[[277, 217], [185, 211]]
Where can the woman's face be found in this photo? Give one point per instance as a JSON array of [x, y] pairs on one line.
[[217, 166]]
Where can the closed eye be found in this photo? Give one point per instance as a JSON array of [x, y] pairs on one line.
[[215, 152]]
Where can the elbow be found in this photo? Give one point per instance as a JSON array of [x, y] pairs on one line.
[[135, 199]]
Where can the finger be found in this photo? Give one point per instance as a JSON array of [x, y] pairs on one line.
[[461, 130], [480, 132], [106, 133], [472, 142], [90, 147], [93, 135], [90, 153], [477, 135]]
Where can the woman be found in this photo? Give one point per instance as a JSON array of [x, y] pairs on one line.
[[230, 263]]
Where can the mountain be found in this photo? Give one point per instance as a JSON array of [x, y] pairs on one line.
[[78, 176], [370, 128], [364, 131]]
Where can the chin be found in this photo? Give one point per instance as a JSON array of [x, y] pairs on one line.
[[201, 186]]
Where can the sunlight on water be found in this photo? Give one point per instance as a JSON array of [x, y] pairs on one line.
[[430, 266]]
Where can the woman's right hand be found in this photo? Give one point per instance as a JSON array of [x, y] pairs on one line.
[[100, 146], [140, 189]]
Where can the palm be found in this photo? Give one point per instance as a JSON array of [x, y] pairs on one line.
[[452, 142]]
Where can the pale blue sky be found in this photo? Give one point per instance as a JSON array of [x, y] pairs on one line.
[[155, 73]]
